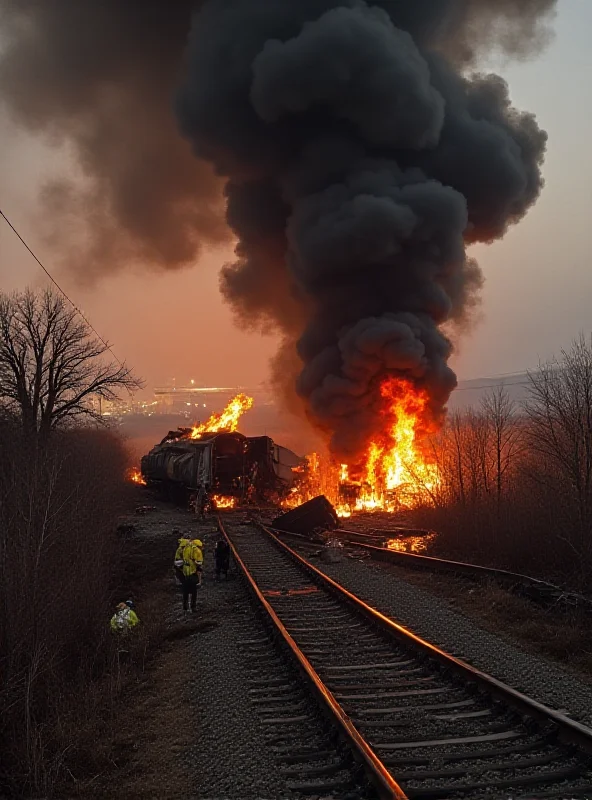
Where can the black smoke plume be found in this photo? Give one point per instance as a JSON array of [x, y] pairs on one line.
[[99, 76], [361, 156], [359, 151]]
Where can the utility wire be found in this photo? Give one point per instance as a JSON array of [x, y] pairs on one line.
[[108, 346], [53, 280], [491, 386]]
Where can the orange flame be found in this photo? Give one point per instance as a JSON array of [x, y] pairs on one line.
[[221, 501], [397, 474], [226, 420], [394, 474], [411, 544], [135, 476]]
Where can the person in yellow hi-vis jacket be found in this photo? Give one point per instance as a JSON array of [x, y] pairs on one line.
[[198, 544], [192, 556], [125, 618], [183, 542]]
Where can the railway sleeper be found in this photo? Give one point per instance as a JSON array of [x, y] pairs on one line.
[[584, 791], [385, 686], [461, 740], [387, 695], [532, 744], [459, 790], [496, 724], [339, 668], [358, 679], [403, 723], [368, 650], [415, 710], [515, 766]]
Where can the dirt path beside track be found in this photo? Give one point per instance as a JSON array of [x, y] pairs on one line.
[[185, 728]]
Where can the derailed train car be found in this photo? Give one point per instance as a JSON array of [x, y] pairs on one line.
[[229, 464]]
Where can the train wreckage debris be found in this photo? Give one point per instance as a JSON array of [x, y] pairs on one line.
[[250, 469], [315, 514]]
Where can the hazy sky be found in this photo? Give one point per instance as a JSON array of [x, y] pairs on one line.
[[538, 288]]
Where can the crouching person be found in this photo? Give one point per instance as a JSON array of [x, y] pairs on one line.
[[125, 618]]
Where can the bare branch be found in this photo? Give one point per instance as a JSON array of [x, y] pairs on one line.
[[51, 364]]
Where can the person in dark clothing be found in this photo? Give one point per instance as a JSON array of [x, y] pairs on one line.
[[222, 558], [190, 584], [203, 500]]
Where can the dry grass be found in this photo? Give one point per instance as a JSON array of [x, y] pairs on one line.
[[561, 637], [138, 741], [58, 545]]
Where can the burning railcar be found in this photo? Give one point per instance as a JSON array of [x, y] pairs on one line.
[[231, 465]]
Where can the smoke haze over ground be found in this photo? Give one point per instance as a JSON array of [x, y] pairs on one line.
[[360, 157]]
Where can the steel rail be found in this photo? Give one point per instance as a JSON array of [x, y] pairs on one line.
[[542, 591], [431, 562], [568, 730], [380, 777]]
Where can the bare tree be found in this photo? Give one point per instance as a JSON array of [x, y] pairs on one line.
[[500, 413], [458, 435], [560, 412], [52, 364]]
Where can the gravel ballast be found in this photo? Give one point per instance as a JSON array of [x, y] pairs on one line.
[[434, 619], [230, 757]]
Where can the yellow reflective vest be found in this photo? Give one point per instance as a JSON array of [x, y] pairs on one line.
[[182, 545], [192, 557], [123, 620]]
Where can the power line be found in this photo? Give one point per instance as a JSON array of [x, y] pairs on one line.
[[491, 386], [53, 280], [497, 375], [108, 346]]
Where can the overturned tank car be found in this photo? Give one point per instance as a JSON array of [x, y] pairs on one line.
[[250, 469]]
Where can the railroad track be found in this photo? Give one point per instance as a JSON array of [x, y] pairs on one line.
[[541, 592], [420, 722]]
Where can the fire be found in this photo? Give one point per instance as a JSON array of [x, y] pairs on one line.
[[343, 511], [411, 544], [226, 420], [221, 501], [135, 476], [394, 474]]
